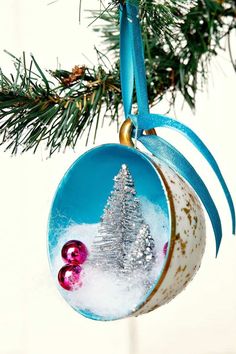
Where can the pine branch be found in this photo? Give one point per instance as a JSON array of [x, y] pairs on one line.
[[34, 109], [180, 38], [57, 107]]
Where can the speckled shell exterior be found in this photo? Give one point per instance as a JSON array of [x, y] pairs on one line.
[[187, 243]]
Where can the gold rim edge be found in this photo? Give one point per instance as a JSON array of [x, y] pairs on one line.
[[172, 243]]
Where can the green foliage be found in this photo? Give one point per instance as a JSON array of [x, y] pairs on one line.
[[180, 37], [34, 109]]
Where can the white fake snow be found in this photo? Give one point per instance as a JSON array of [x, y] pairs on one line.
[[102, 293]]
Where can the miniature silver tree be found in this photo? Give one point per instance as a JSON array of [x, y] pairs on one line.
[[141, 254], [120, 224]]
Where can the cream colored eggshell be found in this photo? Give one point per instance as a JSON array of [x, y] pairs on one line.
[[187, 240]]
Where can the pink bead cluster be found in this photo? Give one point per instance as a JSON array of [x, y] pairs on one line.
[[73, 253]]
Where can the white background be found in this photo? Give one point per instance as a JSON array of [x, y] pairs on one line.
[[34, 319]]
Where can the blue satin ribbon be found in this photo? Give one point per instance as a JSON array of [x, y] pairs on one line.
[[132, 69]]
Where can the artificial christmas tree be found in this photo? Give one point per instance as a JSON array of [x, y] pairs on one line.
[[141, 255], [120, 224]]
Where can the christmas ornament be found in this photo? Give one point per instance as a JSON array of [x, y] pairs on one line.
[[69, 277], [161, 179], [74, 252], [161, 186]]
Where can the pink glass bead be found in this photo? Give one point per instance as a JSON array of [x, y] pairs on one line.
[[74, 252], [165, 248], [69, 277]]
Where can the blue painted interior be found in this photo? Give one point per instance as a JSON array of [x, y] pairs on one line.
[[83, 191]]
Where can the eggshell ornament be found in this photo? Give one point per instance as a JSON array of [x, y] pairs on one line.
[[82, 195]]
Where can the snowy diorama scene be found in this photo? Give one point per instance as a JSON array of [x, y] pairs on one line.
[[105, 270]]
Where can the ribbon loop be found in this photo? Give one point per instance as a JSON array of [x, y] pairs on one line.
[[126, 62]]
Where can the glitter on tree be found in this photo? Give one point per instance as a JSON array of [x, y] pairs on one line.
[[141, 254], [123, 241]]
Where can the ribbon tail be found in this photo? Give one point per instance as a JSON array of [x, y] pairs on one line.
[[168, 154], [156, 120]]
